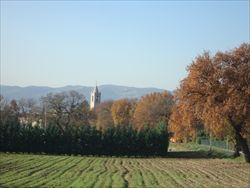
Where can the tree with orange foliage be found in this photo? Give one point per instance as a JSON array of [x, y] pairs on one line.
[[183, 123], [104, 118], [122, 111], [153, 109], [217, 92]]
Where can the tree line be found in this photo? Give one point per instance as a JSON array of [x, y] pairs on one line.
[[64, 124], [84, 140]]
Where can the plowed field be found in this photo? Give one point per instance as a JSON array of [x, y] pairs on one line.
[[23, 170]]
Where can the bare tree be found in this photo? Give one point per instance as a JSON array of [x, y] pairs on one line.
[[9, 111], [66, 108], [29, 110]]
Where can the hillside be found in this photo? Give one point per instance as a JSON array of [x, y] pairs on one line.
[[109, 92]]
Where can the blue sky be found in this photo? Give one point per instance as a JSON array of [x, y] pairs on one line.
[[142, 43]]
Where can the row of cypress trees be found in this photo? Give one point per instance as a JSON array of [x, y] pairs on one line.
[[84, 140]]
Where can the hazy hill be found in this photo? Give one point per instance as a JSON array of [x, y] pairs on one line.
[[109, 92]]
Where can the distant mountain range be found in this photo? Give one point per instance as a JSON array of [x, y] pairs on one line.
[[109, 92]]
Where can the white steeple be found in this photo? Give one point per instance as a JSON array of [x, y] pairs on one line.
[[95, 97]]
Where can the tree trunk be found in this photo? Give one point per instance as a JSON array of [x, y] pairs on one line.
[[243, 144], [236, 149]]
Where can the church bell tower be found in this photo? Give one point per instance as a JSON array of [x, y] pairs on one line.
[[95, 98]]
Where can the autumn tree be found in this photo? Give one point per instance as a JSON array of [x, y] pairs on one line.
[[183, 123], [66, 108], [216, 91], [153, 109], [122, 111], [103, 113]]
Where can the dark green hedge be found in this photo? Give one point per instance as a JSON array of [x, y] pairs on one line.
[[84, 140]]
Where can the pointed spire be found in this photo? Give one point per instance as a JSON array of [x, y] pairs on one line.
[[96, 88], [95, 97]]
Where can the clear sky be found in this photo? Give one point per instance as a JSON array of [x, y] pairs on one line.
[[142, 43]]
